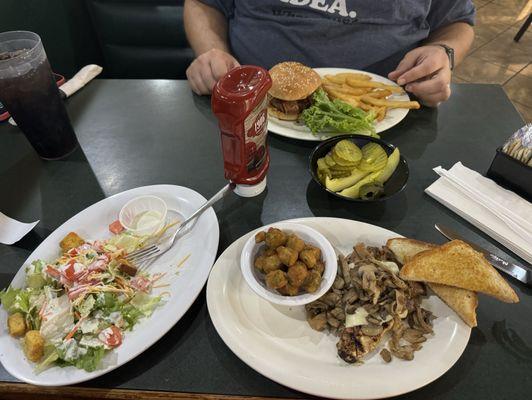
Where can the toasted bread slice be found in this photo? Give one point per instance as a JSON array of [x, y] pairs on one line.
[[464, 302], [404, 249], [456, 264]]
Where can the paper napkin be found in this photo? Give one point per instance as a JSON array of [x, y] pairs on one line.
[[12, 231], [84, 76], [498, 212]]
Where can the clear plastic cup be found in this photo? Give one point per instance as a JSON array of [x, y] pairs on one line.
[[144, 215], [30, 94]]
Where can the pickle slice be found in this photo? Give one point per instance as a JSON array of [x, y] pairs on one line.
[[374, 158], [371, 191], [339, 174], [329, 160], [340, 161], [391, 166], [322, 170], [339, 167], [322, 165], [347, 151], [342, 183], [354, 191]]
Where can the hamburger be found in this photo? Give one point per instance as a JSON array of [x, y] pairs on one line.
[[292, 87]]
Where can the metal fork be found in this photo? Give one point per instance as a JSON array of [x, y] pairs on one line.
[[144, 257]]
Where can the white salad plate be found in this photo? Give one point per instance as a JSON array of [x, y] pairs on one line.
[[296, 130], [277, 341], [185, 282]]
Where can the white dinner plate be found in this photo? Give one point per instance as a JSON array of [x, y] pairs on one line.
[[295, 130], [201, 242], [277, 342]]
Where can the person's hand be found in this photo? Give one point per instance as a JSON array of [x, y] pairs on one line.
[[425, 72], [207, 68]]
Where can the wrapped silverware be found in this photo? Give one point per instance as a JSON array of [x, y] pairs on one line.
[[519, 145], [512, 165]]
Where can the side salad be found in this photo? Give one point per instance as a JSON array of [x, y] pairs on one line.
[[75, 309]]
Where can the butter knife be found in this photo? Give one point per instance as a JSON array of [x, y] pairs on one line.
[[518, 272]]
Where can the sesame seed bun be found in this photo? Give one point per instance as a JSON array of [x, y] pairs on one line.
[[293, 81]]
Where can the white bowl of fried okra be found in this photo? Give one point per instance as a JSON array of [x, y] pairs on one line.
[[288, 264]]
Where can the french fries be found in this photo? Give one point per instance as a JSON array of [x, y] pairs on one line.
[[341, 77], [358, 83], [380, 94], [359, 90], [381, 113], [346, 97], [414, 105], [344, 89]]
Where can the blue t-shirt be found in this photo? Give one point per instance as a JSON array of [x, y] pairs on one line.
[[372, 35]]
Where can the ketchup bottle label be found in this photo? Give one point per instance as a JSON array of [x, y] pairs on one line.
[[256, 131]]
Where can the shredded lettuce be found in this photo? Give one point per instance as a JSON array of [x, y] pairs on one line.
[[16, 300], [126, 241], [86, 306], [107, 302], [327, 115], [145, 303], [89, 361], [141, 305], [131, 315], [50, 356], [26, 301]]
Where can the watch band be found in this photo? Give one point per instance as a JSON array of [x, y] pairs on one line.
[[449, 51]]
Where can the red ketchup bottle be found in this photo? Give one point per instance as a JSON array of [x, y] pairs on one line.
[[240, 102]]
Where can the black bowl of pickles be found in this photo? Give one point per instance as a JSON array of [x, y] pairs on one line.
[[358, 168]]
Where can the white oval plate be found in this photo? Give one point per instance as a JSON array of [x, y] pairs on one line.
[[201, 243], [277, 342], [294, 130]]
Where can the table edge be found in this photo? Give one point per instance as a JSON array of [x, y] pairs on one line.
[[12, 390]]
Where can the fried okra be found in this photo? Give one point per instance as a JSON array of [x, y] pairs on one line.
[[310, 256], [275, 238], [267, 264], [312, 283], [276, 279], [271, 263], [269, 252], [16, 325], [289, 290], [287, 256], [319, 267], [295, 243], [297, 274], [289, 265], [260, 237], [259, 263], [33, 345]]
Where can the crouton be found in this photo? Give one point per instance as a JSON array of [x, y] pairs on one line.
[[33, 345], [16, 325], [71, 241]]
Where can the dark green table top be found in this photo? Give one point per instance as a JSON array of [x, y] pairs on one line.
[[136, 133]]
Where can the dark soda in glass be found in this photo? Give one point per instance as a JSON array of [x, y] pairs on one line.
[[30, 94]]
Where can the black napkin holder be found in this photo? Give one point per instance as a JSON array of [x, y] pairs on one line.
[[512, 174]]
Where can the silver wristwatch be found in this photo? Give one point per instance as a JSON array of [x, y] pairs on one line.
[[449, 51]]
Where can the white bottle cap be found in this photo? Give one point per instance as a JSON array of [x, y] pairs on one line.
[[250, 190]]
